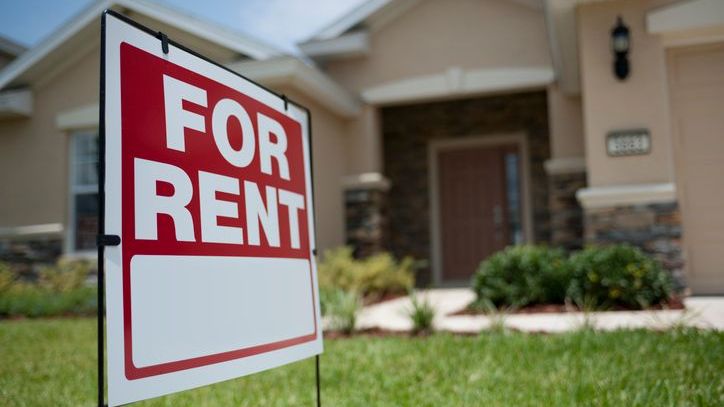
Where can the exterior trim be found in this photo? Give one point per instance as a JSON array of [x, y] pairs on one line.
[[45, 229], [565, 165], [622, 195], [368, 180], [692, 38], [78, 118], [458, 82], [433, 148], [16, 103], [687, 15], [292, 71], [211, 32], [348, 45]]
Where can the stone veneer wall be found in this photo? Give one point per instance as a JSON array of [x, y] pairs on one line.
[[565, 211], [365, 219], [408, 129], [26, 255], [655, 228]]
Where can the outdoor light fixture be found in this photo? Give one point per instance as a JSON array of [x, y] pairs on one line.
[[620, 45]]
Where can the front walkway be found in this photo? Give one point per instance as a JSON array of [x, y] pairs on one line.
[[702, 312]]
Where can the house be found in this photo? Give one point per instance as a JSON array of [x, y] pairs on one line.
[[443, 129], [49, 128]]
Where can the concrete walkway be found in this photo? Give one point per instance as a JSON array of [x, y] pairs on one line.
[[702, 312]]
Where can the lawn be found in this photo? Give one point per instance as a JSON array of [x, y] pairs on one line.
[[52, 362]]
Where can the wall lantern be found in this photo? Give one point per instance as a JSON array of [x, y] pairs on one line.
[[620, 46]]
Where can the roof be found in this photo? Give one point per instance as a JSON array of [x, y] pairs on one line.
[[83, 30], [364, 13], [10, 47]]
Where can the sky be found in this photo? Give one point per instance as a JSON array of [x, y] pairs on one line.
[[277, 22]]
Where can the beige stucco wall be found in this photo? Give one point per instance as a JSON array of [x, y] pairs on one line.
[[565, 118], [437, 34], [363, 142], [33, 168], [329, 165], [641, 101]]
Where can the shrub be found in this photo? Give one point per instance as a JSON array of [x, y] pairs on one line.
[[421, 313], [31, 301], [374, 276], [7, 277], [65, 275], [522, 275], [341, 308], [337, 269], [619, 275], [60, 289]]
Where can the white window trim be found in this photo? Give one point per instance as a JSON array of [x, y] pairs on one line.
[[433, 148], [73, 190], [84, 117]]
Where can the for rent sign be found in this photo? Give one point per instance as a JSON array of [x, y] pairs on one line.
[[208, 184]]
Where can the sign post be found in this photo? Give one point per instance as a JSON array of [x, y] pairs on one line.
[[207, 229]]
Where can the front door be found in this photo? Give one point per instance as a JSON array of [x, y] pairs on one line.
[[479, 205]]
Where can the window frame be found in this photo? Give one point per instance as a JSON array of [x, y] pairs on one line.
[[74, 190]]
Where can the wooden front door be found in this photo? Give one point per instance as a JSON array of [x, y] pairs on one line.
[[479, 206]]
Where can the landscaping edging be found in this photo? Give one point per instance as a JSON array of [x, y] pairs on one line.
[[706, 313]]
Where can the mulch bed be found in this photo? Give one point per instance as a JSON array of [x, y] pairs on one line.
[[376, 299], [674, 303]]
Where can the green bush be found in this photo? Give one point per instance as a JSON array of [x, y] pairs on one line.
[[7, 277], [341, 308], [522, 275], [60, 290], [619, 275], [374, 276], [65, 275], [31, 301]]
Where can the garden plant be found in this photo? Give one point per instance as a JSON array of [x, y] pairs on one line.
[[597, 277]]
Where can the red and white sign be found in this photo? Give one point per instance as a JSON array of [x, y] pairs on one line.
[[208, 184]]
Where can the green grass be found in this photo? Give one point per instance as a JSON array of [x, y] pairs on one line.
[[52, 363]]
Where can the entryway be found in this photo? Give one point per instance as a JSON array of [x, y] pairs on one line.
[[478, 202]]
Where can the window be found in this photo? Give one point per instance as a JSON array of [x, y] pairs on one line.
[[83, 191], [512, 186]]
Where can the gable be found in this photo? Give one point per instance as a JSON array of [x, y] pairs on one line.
[[435, 36]]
